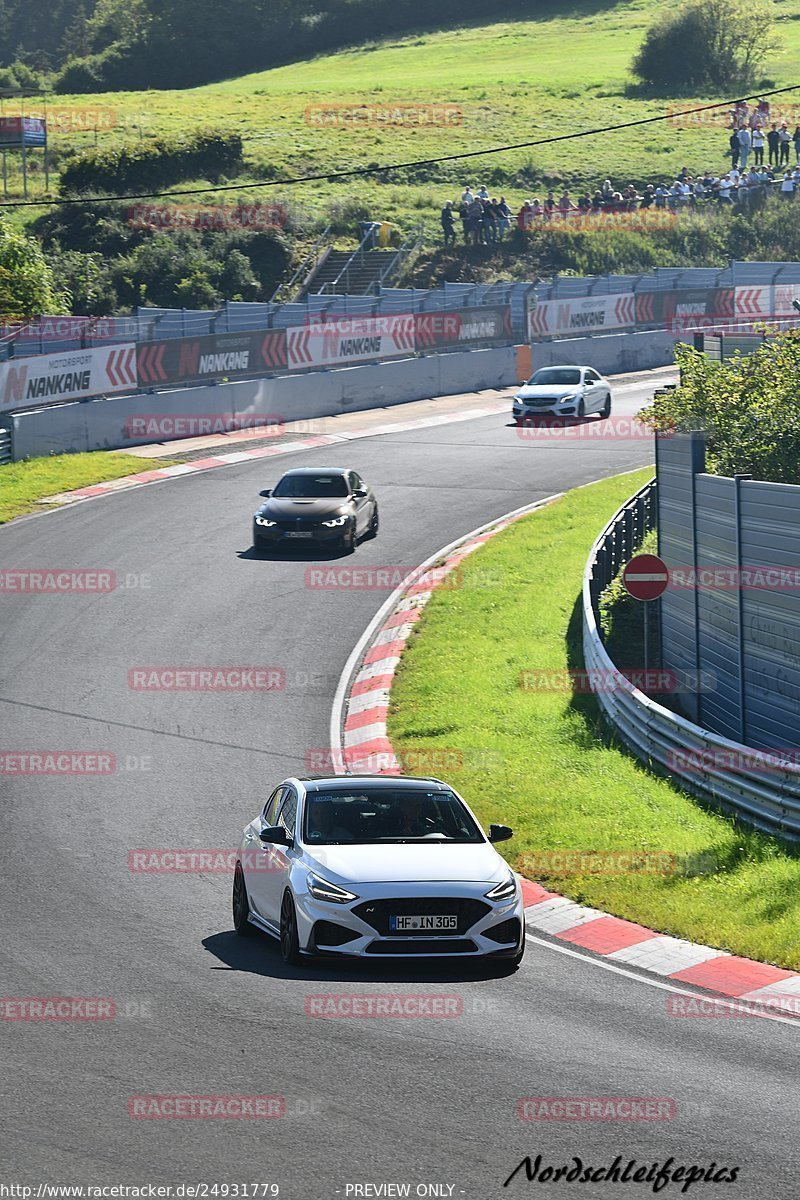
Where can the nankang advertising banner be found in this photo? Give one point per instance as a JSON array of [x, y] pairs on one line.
[[76, 375], [463, 327], [216, 356], [350, 340], [581, 315]]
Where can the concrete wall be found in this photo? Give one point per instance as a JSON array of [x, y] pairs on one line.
[[610, 354], [111, 424], [107, 424]]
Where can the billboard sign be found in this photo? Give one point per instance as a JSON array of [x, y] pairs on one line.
[[22, 131], [216, 356], [347, 340], [77, 375], [463, 327]]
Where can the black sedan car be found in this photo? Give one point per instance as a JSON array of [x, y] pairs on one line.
[[317, 504]]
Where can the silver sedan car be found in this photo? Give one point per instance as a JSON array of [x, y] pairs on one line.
[[564, 392]]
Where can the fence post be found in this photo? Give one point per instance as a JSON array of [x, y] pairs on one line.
[[737, 484]]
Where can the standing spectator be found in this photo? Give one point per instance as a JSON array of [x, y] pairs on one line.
[[565, 204], [476, 221], [504, 217], [796, 140], [466, 195], [537, 211], [758, 146], [463, 212], [482, 192], [724, 191], [631, 197], [648, 196], [489, 222], [584, 203], [607, 189], [784, 138], [448, 224], [735, 146], [661, 196], [745, 145], [787, 186], [597, 201], [524, 216], [773, 141], [549, 204]]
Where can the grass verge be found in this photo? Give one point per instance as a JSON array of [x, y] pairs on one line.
[[24, 484], [542, 762]]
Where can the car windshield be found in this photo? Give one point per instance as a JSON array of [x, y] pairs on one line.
[[369, 816], [298, 486], [558, 376]]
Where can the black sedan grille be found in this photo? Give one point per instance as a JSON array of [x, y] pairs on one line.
[[376, 913], [300, 523]]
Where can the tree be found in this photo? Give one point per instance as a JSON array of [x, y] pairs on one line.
[[26, 281], [747, 406], [707, 44]]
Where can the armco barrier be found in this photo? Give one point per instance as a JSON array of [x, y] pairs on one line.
[[707, 765], [112, 424]]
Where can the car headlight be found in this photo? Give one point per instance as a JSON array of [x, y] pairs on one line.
[[504, 890], [569, 399], [336, 521], [320, 889], [263, 521]]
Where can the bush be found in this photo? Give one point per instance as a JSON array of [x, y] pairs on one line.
[[144, 166], [27, 288], [747, 406], [706, 44]]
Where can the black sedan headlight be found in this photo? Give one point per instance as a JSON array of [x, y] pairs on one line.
[[335, 522]]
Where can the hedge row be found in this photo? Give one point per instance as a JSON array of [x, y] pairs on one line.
[[153, 164]]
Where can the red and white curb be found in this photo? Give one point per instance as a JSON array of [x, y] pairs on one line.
[[236, 457], [361, 745]]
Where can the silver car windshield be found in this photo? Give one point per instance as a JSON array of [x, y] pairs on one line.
[[370, 816], [555, 377]]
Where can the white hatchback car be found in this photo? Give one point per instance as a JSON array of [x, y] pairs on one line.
[[376, 865], [565, 392]]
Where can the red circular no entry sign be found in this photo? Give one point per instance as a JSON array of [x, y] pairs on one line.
[[646, 577]]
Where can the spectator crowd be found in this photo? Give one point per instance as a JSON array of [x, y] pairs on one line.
[[485, 219]]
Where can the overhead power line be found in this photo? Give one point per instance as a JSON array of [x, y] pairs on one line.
[[331, 176]]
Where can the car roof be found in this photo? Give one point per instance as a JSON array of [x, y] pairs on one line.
[[567, 367], [328, 783]]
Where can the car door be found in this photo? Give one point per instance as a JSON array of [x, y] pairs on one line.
[[362, 504], [594, 391], [257, 864], [281, 859]]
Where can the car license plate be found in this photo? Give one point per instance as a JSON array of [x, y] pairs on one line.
[[298, 533], [422, 923]]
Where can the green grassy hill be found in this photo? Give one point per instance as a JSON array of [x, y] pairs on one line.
[[508, 82]]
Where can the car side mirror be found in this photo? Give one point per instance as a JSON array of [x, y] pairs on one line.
[[360, 493], [266, 492], [500, 833], [276, 835]]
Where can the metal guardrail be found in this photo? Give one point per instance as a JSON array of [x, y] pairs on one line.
[[305, 270], [765, 796], [6, 448]]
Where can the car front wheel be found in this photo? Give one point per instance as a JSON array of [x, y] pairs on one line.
[[241, 904], [348, 541], [372, 532], [290, 942], [605, 411]]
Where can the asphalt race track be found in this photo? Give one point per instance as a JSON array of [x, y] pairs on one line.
[[200, 1012]]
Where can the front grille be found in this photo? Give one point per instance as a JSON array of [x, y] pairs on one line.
[[423, 946], [540, 401], [376, 913], [298, 523], [509, 931]]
